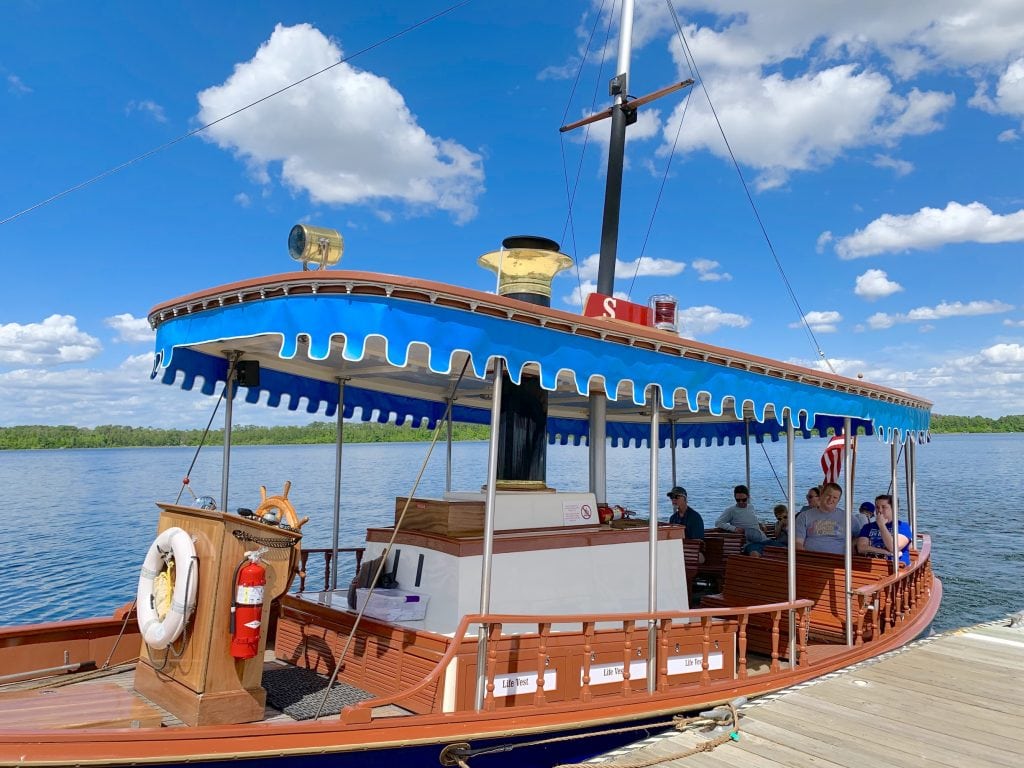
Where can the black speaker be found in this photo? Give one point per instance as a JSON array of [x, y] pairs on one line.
[[247, 373]]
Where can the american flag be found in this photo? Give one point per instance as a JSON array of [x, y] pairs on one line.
[[832, 458]]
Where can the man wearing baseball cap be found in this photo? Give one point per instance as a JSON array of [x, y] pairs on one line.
[[685, 515]]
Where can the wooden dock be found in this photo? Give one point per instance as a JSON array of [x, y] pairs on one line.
[[955, 700]]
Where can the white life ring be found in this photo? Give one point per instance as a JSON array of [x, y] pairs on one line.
[[159, 633]]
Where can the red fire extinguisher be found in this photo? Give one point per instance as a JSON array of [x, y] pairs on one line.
[[247, 606]]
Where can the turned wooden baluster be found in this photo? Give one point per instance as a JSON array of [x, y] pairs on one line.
[[328, 557], [743, 645], [544, 628], [493, 636], [805, 630], [663, 628], [776, 619], [705, 676], [303, 559], [858, 620], [588, 638], [628, 628]]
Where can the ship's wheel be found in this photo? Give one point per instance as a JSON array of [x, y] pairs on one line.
[[278, 509]]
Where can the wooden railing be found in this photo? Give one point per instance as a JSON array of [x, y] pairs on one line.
[[535, 662], [885, 606], [327, 554]]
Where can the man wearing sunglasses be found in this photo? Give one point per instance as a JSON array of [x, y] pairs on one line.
[[741, 516]]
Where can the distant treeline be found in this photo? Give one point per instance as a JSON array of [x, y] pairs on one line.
[[941, 423], [36, 436]]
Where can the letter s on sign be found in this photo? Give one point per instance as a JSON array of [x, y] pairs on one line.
[[609, 306]]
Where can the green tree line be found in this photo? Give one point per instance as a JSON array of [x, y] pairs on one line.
[[113, 436], [943, 423]]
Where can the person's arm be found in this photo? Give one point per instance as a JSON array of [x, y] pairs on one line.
[[724, 521]]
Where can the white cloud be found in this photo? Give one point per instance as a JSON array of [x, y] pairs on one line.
[[345, 137], [931, 228], [824, 239], [243, 200], [584, 289], [1009, 95], [875, 284], [147, 107], [55, 340], [881, 320], [779, 125], [130, 328], [695, 322], [899, 167], [1008, 135], [1013, 323], [645, 266], [708, 271], [821, 322], [1000, 354], [15, 86]]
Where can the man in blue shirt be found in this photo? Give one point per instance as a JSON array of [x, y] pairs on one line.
[[876, 537], [685, 515]]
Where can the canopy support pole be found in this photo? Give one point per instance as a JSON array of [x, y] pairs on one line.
[[791, 539], [652, 585], [672, 430], [746, 448], [488, 544], [598, 434], [894, 457], [229, 400], [848, 551], [448, 447], [911, 454], [339, 439]]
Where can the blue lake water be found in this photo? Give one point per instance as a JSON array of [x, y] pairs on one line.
[[78, 522]]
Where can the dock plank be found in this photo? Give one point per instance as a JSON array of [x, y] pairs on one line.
[[955, 701]]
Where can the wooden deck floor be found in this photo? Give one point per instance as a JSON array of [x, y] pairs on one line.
[[956, 700]]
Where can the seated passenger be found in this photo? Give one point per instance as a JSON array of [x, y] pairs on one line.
[[685, 515], [781, 537], [876, 538], [741, 516], [825, 529], [863, 517], [813, 497]]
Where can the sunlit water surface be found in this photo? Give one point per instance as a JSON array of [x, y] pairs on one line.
[[79, 522]]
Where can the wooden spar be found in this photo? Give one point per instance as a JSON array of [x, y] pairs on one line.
[[632, 104]]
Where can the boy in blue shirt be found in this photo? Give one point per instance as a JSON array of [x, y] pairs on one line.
[[876, 537]]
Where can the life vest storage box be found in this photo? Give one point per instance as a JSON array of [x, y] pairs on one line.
[[392, 604]]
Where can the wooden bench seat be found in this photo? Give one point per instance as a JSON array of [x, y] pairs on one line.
[[819, 577], [89, 705], [718, 547], [693, 550]]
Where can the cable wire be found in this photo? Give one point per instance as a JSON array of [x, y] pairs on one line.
[[222, 118], [692, 62]]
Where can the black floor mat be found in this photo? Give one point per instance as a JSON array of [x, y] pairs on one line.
[[298, 691]]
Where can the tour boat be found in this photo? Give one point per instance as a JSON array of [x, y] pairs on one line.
[[509, 623]]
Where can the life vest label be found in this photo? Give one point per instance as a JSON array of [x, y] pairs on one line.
[[510, 685]]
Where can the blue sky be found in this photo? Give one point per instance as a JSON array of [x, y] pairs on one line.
[[882, 145]]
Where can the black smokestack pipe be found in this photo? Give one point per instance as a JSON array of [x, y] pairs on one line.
[[525, 266]]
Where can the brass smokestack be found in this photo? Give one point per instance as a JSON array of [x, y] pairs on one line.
[[525, 266]]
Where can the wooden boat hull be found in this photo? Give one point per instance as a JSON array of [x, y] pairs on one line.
[[559, 733]]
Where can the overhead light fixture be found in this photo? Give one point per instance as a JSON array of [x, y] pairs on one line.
[[315, 247]]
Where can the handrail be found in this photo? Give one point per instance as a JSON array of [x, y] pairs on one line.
[[328, 554], [923, 556], [362, 712], [907, 586]]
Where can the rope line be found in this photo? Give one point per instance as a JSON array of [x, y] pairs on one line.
[[692, 63]]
